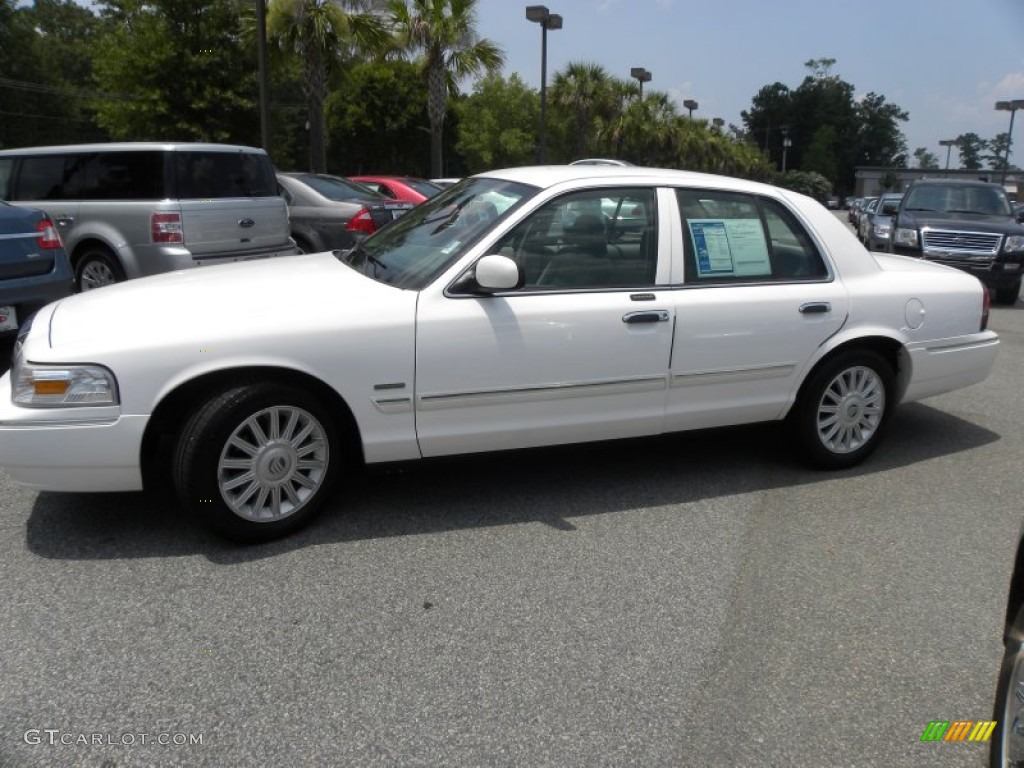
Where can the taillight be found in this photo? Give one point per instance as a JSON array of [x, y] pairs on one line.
[[166, 228], [362, 222], [48, 237], [985, 304]]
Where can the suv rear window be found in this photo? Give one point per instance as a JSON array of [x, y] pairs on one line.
[[209, 175]]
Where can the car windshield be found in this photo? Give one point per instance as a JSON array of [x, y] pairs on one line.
[[335, 188], [413, 250], [953, 198]]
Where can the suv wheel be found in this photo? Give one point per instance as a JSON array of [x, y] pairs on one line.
[[1008, 294], [96, 268]]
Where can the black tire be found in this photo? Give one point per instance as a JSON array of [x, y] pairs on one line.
[[209, 470], [847, 438], [303, 245], [1007, 295], [1007, 747], [95, 268]]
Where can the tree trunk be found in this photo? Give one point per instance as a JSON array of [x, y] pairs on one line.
[[437, 104]]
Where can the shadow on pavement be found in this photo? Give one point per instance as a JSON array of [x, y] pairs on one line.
[[551, 486]]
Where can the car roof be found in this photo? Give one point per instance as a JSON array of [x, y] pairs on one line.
[[957, 182], [549, 175], [132, 146]]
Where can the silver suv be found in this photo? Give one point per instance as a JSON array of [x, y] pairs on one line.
[[130, 209]]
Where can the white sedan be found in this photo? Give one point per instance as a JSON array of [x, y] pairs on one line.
[[524, 307]]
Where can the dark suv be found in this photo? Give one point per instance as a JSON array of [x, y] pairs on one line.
[[965, 224]]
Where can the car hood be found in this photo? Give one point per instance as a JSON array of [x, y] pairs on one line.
[[969, 222], [269, 296]]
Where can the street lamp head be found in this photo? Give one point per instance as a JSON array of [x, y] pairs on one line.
[[690, 104], [554, 21], [1010, 106], [538, 13], [948, 142], [1004, 106], [641, 74]]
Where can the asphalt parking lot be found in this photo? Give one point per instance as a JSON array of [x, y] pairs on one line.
[[693, 600]]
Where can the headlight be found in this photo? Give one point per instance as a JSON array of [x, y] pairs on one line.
[[882, 230], [907, 237], [56, 386], [1014, 244]]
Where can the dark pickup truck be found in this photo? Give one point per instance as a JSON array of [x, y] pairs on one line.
[[965, 224]]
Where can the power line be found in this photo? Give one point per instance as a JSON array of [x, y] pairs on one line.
[[22, 85]]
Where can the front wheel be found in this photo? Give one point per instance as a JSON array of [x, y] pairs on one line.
[[1007, 295], [843, 409], [257, 461]]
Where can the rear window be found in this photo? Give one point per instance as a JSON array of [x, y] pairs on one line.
[[210, 175]]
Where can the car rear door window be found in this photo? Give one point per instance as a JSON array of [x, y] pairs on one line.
[[737, 238]]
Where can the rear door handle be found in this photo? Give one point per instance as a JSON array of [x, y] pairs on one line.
[[647, 316], [63, 220], [815, 308]]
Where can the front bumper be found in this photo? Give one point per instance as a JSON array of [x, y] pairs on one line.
[[995, 272], [70, 449]]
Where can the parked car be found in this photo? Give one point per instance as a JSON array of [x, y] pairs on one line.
[[864, 217], [851, 213], [876, 226], [131, 209], [34, 269], [832, 202], [866, 204], [406, 188], [328, 212], [507, 312], [964, 224], [1007, 744]]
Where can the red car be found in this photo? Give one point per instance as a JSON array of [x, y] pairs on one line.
[[400, 187]]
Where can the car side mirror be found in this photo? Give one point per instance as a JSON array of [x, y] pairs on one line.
[[890, 209], [498, 273], [1020, 216]]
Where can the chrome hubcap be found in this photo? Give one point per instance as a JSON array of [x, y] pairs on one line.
[[96, 274], [273, 464], [851, 409]]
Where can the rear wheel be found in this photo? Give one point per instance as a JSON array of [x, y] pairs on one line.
[[257, 461], [1007, 747], [843, 409], [95, 268]]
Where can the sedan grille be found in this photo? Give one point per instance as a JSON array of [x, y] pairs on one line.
[[947, 241]]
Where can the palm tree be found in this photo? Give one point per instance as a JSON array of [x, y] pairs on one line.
[[582, 89], [320, 33], [444, 30]]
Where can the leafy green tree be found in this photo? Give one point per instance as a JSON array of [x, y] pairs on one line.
[[321, 35], [172, 70], [971, 146], [807, 183], [771, 109], [581, 91], [498, 123], [822, 154], [997, 147], [445, 32], [376, 120], [926, 160]]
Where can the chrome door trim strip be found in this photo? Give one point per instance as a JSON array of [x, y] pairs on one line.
[[733, 375], [520, 395]]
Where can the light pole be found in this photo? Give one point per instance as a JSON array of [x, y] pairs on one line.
[[642, 76], [718, 122], [547, 20], [691, 105], [786, 144], [948, 144], [261, 54], [1011, 107]]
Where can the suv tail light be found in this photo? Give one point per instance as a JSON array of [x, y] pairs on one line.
[[166, 228], [48, 237], [985, 304], [362, 222]]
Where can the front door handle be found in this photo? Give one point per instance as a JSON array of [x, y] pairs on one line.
[[63, 219], [647, 316], [815, 308]]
